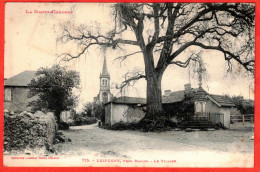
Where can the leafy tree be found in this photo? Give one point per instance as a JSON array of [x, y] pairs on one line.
[[53, 87], [88, 110], [164, 31], [99, 112], [244, 106]]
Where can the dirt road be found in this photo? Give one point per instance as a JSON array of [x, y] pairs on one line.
[[225, 148]]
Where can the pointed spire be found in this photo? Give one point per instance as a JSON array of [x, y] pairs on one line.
[[104, 70]]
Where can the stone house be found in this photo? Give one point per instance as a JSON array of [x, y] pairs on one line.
[[16, 92], [214, 108]]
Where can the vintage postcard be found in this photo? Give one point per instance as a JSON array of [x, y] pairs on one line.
[[129, 84]]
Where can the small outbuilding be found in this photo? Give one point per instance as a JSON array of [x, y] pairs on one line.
[[124, 109]]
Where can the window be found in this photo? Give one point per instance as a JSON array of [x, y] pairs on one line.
[[8, 95], [104, 82]]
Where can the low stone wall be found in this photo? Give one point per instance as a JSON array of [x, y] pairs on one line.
[[27, 130]]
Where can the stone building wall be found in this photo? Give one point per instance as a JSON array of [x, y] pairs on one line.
[[19, 99]]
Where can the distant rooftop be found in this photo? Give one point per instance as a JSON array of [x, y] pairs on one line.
[[129, 100], [22, 79], [222, 100], [177, 96]]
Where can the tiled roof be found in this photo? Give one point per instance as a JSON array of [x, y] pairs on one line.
[[222, 100], [129, 100], [174, 97], [177, 96], [22, 79], [200, 95]]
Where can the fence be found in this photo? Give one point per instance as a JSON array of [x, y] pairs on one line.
[[242, 118], [216, 117], [211, 117]]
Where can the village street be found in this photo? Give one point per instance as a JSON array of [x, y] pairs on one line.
[[224, 148]]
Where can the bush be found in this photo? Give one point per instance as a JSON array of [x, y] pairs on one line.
[[64, 126], [84, 120], [182, 111], [140, 126]]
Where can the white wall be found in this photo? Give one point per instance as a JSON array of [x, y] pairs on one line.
[[65, 116], [213, 108], [124, 113], [119, 112], [226, 112]]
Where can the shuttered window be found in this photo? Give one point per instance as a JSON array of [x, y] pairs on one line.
[[8, 95]]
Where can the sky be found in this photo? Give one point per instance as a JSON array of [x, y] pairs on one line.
[[31, 42]]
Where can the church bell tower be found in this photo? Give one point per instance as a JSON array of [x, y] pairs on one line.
[[104, 91]]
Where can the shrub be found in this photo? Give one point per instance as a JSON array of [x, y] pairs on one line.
[[64, 126], [88, 110], [84, 120], [139, 126]]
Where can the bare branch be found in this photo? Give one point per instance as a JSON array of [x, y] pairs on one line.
[[248, 65], [193, 57], [122, 58], [130, 78]]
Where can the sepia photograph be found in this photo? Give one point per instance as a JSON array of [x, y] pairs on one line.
[[129, 84]]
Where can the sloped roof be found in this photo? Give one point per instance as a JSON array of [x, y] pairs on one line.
[[128, 100], [222, 100], [104, 70], [200, 94], [177, 96], [22, 79]]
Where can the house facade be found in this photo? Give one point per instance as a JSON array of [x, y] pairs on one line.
[[214, 108], [16, 92]]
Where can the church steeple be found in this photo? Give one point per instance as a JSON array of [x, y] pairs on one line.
[[104, 91], [105, 73]]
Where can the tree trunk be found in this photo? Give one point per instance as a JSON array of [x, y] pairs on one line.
[[154, 96], [155, 118]]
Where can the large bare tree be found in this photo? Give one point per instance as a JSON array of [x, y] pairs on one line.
[[163, 31]]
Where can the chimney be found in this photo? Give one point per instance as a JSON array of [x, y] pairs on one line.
[[187, 87], [167, 92]]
